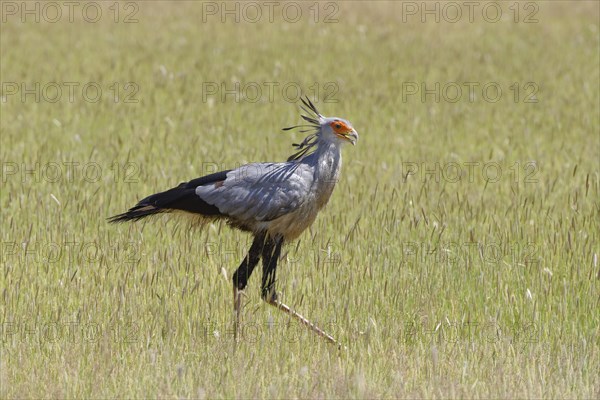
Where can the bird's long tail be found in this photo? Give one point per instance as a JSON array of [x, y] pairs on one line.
[[134, 213], [180, 198]]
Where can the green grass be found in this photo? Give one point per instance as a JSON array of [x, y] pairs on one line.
[[439, 286]]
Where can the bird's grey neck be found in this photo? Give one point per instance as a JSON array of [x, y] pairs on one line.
[[327, 160], [327, 156]]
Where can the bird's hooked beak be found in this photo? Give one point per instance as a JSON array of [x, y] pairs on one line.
[[352, 136], [344, 130]]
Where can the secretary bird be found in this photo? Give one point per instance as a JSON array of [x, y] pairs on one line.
[[275, 202]]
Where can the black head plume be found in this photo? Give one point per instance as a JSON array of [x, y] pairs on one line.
[[313, 117]]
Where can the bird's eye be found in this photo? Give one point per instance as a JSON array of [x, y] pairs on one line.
[[338, 125]]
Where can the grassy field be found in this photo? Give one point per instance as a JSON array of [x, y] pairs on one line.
[[458, 256]]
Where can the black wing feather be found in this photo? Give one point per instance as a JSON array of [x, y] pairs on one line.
[[182, 198]]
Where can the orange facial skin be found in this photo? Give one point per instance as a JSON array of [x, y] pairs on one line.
[[340, 127]]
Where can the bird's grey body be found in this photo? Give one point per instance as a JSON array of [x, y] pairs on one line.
[[282, 199], [274, 201]]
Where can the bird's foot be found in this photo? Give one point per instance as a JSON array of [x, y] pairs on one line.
[[237, 308], [304, 321], [269, 295]]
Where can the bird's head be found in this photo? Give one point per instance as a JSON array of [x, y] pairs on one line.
[[338, 129], [324, 129]]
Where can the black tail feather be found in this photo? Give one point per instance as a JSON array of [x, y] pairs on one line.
[[135, 213], [182, 198]]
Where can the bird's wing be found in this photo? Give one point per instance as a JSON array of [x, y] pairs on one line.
[[260, 191]]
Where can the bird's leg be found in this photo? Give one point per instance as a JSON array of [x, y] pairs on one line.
[[237, 306], [242, 274], [271, 252], [301, 319], [270, 255]]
